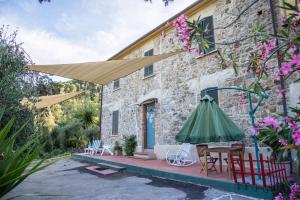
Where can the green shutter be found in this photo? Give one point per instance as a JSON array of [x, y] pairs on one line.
[[207, 24], [148, 70], [115, 122]]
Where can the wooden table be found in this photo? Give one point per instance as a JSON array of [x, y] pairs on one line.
[[221, 150]]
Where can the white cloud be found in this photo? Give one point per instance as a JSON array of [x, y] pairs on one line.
[[126, 21], [47, 48]]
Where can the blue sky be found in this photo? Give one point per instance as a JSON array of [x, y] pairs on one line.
[[70, 31]]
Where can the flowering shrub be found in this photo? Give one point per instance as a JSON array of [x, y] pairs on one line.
[[294, 193], [183, 32], [280, 133]]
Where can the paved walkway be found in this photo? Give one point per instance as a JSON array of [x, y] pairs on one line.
[[69, 179]]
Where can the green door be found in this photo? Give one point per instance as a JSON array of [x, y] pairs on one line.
[[150, 126]]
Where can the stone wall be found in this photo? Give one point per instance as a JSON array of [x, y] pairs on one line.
[[178, 81]]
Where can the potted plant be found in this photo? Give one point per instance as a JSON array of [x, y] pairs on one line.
[[130, 145], [118, 149]]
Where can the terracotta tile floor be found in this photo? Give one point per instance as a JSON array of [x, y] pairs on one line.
[[161, 165]]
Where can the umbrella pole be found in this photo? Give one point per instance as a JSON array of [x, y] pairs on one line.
[[251, 113]]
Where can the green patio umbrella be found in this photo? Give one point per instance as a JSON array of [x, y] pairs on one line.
[[208, 123]]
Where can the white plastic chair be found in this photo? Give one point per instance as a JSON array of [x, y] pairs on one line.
[[106, 148], [181, 158], [96, 144]]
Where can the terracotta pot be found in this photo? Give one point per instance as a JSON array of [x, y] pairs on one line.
[[118, 153]]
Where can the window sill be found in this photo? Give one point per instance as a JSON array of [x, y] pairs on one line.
[[116, 89], [147, 77], [114, 135], [204, 55]]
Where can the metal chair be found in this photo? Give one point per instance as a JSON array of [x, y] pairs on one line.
[[210, 160], [181, 158]]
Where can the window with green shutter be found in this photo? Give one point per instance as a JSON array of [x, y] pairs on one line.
[[115, 122], [208, 26], [148, 70], [116, 84], [213, 93]]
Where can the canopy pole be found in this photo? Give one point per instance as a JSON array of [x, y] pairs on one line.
[[251, 112], [100, 114]]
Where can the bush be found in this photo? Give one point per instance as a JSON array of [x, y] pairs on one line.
[[92, 133], [117, 146], [130, 145], [69, 137]]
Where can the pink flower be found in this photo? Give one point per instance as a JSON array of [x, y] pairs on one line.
[[296, 137], [163, 34], [280, 92], [282, 141], [271, 69], [254, 131], [198, 51], [183, 32], [266, 48], [292, 49], [294, 126], [278, 75], [295, 190], [286, 68], [288, 120], [296, 60], [271, 121], [279, 197], [282, 20]]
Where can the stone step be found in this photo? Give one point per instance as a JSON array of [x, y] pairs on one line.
[[111, 166], [101, 171], [144, 156]]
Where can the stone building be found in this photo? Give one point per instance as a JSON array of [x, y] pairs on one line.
[[153, 103]]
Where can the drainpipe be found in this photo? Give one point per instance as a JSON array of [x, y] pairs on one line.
[[100, 114], [275, 30]]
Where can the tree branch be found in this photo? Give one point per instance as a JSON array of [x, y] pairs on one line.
[[239, 16]]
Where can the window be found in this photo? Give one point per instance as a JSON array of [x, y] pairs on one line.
[[148, 70], [115, 122], [213, 93], [207, 24], [116, 84]]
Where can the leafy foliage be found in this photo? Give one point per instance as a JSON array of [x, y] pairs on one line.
[[87, 114], [92, 133], [130, 145], [14, 162], [117, 146]]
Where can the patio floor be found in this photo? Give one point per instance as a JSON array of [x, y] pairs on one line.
[[161, 165]]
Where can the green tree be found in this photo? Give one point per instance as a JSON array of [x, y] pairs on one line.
[[16, 83]]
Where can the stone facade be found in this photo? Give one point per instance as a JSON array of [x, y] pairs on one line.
[[177, 81]]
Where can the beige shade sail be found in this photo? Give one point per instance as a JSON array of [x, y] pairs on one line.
[[101, 72], [46, 101]]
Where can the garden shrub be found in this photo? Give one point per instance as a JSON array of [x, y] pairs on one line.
[[130, 145], [92, 133]]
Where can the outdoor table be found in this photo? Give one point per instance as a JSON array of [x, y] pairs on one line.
[[221, 150]]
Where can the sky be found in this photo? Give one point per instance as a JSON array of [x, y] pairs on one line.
[[71, 31]]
